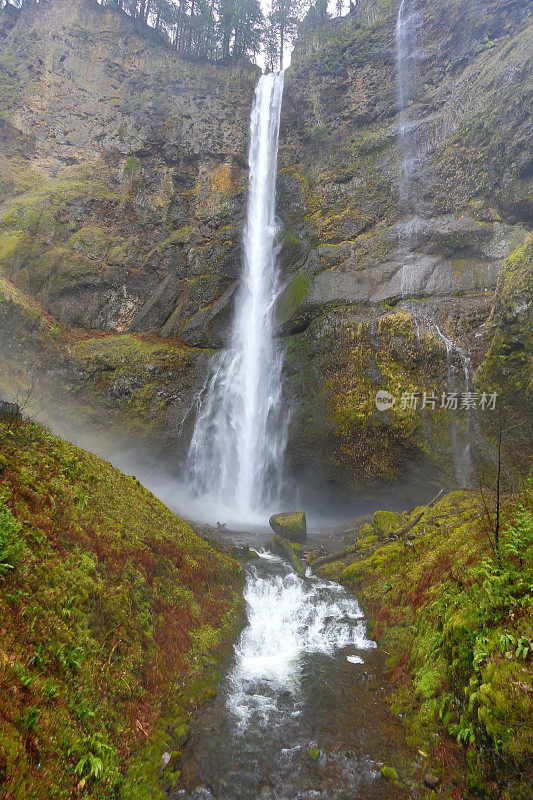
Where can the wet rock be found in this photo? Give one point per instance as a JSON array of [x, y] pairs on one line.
[[431, 781], [290, 524], [282, 547], [202, 794], [246, 553]]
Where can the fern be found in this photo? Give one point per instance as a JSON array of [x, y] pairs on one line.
[[12, 545]]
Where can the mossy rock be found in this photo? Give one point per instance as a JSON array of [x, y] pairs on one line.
[[292, 296], [282, 547], [385, 522], [313, 753], [389, 773], [291, 525]]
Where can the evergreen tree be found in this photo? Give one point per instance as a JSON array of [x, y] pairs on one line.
[[240, 28], [271, 47], [248, 29], [283, 21], [316, 15]]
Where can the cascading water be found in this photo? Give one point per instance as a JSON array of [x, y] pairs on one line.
[[460, 423], [458, 370], [288, 619], [236, 451], [302, 676], [406, 58]]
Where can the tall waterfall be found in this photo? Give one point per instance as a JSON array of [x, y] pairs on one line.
[[237, 447], [406, 63]]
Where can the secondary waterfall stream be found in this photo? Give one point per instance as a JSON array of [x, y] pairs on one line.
[[406, 65], [303, 675], [236, 451]]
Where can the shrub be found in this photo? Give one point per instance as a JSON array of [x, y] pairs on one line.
[[131, 167], [319, 133]]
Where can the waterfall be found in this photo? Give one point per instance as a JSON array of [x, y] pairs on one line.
[[460, 435], [458, 374], [406, 58], [236, 451]]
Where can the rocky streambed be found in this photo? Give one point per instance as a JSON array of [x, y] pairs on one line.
[[301, 711]]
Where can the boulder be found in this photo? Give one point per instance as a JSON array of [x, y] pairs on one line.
[[290, 524], [431, 781]]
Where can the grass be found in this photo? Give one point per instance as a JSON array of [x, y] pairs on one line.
[[112, 616]]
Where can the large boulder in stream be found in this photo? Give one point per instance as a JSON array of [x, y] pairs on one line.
[[290, 524]]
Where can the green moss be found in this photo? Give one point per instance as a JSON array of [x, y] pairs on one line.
[[116, 600], [11, 244], [389, 773], [290, 239], [313, 753], [35, 211], [385, 522], [292, 296], [291, 521], [319, 133], [125, 351], [454, 617], [131, 167], [179, 236], [91, 241]]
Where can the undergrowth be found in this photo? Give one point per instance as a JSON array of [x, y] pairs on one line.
[[453, 610], [111, 613]]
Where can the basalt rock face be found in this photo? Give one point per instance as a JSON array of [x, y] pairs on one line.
[[123, 173], [354, 324], [122, 200]]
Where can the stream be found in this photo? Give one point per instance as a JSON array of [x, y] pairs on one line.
[[303, 675]]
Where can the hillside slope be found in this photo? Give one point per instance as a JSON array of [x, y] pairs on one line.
[[112, 616], [449, 598]]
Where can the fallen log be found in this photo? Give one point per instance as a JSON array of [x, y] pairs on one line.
[[437, 497], [337, 556]]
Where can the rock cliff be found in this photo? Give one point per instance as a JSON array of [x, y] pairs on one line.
[[122, 191], [123, 187], [355, 328]]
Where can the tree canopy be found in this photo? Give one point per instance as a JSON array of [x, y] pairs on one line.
[[215, 30]]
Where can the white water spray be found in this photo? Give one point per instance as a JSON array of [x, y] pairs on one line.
[[236, 452], [289, 619], [460, 433]]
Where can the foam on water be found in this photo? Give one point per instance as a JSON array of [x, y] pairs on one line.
[[288, 619]]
